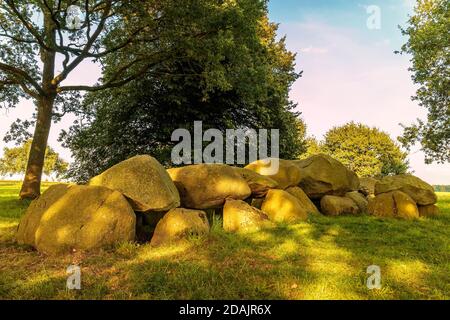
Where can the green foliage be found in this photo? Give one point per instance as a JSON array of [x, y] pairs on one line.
[[137, 37], [429, 45], [367, 151], [208, 43], [313, 146], [442, 188], [14, 161], [256, 72]]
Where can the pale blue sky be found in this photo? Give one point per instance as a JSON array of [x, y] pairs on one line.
[[350, 71]]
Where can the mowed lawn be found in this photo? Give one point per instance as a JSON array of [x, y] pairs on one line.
[[323, 258]]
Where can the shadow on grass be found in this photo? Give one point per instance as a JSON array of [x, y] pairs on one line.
[[270, 264], [412, 255]]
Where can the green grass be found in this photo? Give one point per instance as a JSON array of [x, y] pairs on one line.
[[323, 258]]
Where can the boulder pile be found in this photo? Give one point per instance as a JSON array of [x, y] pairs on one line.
[[140, 194], [404, 196]]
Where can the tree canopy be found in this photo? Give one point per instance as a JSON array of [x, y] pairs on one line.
[[367, 151], [141, 116], [14, 161], [429, 46], [138, 38]]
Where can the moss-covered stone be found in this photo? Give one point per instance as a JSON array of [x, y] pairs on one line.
[[288, 175], [420, 191], [336, 206], [68, 217], [259, 184], [395, 204], [305, 202], [206, 186], [358, 199], [144, 181], [367, 185], [322, 175], [281, 206], [239, 216], [178, 224]]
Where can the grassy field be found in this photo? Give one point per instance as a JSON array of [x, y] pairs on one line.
[[323, 258]]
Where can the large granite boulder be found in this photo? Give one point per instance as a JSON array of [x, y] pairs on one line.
[[287, 175], [367, 185], [359, 199], [144, 181], [259, 184], [305, 202], [239, 216], [68, 217], [204, 186], [420, 191], [336, 206], [395, 204], [281, 206], [179, 224], [322, 175]]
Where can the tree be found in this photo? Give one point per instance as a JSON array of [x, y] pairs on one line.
[[429, 45], [14, 161], [140, 117], [367, 151], [313, 146], [39, 51]]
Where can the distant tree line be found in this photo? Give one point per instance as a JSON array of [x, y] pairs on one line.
[[14, 161], [442, 188]]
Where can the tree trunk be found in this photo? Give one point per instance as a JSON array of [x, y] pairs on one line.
[[32, 182], [31, 186]]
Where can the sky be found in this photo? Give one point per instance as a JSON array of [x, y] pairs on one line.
[[350, 71]]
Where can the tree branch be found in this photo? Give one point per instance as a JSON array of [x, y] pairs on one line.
[[21, 74], [27, 25], [84, 53], [109, 84], [13, 81], [58, 29], [128, 41], [14, 38]]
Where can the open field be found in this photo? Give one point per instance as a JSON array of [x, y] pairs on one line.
[[323, 258]]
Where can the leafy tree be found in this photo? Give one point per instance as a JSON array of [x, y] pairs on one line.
[[429, 45], [367, 151], [14, 161], [313, 146], [136, 37], [140, 117]]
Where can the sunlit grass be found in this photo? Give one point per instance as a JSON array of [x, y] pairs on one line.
[[322, 258]]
